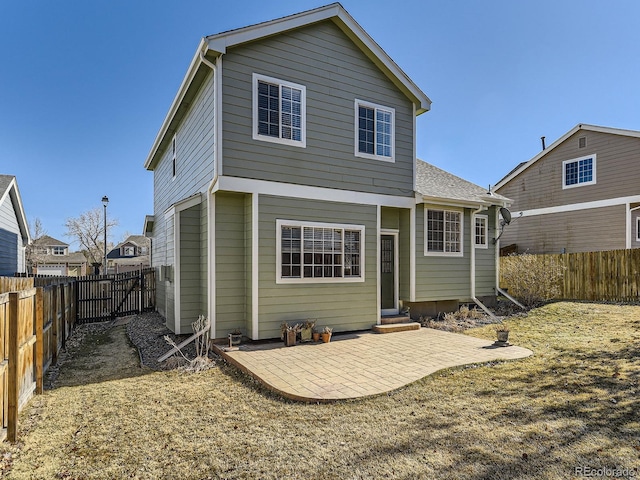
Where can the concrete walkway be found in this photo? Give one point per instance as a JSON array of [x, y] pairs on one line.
[[361, 364]]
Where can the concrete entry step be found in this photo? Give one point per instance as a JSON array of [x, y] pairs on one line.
[[396, 327], [389, 319]]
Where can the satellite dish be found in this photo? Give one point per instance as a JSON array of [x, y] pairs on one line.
[[506, 215]]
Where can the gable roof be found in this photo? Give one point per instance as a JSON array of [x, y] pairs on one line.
[[9, 189], [47, 241], [438, 186], [581, 126], [215, 45]]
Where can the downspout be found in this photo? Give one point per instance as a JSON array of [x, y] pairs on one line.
[[473, 263], [211, 218]]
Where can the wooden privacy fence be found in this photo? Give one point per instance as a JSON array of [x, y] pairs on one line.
[[34, 326], [611, 276]]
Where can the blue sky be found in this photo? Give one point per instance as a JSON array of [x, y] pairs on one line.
[[85, 85]]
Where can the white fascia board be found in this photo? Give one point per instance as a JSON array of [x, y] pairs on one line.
[[609, 202], [454, 202], [290, 190], [189, 202], [184, 86], [14, 194], [581, 126], [336, 13]]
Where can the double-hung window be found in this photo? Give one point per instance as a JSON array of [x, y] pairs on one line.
[[443, 234], [319, 252], [279, 111], [481, 231], [58, 250], [375, 131], [579, 172]]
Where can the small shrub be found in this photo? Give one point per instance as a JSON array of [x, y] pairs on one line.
[[532, 279]]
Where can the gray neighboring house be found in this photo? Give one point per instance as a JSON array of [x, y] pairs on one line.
[[51, 257], [286, 187], [14, 229], [580, 194], [130, 255]]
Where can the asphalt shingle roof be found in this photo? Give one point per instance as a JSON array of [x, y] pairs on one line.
[[434, 182]]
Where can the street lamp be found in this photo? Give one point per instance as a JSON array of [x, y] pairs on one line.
[[105, 201]]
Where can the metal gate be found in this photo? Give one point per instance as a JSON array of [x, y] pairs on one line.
[[104, 297]]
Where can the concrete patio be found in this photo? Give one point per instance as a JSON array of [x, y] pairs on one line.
[[361, 364]]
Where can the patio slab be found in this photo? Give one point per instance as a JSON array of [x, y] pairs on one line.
[[361, 364]]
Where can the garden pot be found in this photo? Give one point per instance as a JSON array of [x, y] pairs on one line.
[[316, 336], [502, 336], [326, 337], [290, 338], [305, 334], [234, 339]]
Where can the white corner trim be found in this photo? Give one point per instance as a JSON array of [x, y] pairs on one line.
[[217, 117], [255, 266], [211, 262], [378, 279], [290, 190], [176, 273], [412, 255]]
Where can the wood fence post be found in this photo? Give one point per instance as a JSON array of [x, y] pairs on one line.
[[63, 315], [13, 387], [54, 324], [39, 353]]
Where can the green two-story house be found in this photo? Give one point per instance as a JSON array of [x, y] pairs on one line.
[[286, 187]]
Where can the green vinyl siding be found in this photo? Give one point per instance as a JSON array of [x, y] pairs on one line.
[[230, 263], [485, 259], [335, 73], [344, 306], [190, 268]]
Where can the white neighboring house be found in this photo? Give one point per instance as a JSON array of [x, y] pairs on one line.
[[14, 229], [130, 255], [51, 257]]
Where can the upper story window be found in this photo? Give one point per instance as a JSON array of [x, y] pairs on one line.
[[481, 231], [443, 232], [129, 251], [579, 172], [375, 131], [174, 156], [319, 252], [279, 111], [58, 250]]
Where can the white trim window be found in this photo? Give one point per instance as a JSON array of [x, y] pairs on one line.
[[59, 250], [279, 111], [174, 157], [579, 172], [319, 252], [444, 232], [480, 237], [375, 131]]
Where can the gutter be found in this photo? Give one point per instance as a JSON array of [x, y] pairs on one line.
[[473, 264]]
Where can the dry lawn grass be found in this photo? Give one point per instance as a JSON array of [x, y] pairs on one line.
[[573, 404]]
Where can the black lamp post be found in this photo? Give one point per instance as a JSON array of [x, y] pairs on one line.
[[105, 201]]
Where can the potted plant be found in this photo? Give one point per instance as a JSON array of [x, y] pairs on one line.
[[235, 337], [502, 332], [306, 331], [326, 334], [289, 333], [315, 335]]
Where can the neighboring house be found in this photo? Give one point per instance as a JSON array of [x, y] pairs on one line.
[[14, 229], [52, 257], [580, 194], [286, 187], [132, 254]]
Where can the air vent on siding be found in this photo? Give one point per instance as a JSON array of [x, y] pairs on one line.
[[582, 142]]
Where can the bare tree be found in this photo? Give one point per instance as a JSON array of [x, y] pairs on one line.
[[34, 250], [88, 231]]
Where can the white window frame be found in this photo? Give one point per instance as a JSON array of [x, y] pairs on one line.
[[375, 107], [430, 253], [174, 158], [126, 248], [300, 224], [485, 219], [637, 229], [576, 160], [303, 113], [58, 251]]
